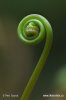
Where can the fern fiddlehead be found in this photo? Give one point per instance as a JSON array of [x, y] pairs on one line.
[[31, 30]]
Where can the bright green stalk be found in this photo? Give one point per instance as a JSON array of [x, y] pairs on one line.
[[31, 30]]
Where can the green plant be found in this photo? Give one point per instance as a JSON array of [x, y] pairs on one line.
[[31, 30]]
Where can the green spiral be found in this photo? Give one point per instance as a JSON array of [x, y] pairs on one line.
[[31, 30]]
